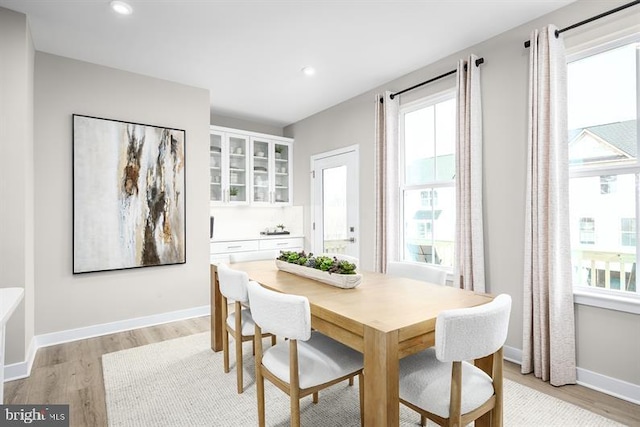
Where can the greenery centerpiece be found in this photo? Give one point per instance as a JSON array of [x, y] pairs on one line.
[[324, 268]]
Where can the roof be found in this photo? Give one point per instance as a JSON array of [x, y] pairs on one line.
[[621, 135]]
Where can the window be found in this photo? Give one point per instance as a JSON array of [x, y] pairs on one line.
[[587, 231], [427, 180], [628, 232], [607, 184], [604, 169]]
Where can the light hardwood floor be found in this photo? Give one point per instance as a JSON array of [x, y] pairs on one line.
[[72, 374]]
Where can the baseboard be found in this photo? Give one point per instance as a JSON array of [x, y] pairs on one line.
[[16, 371], [612, 386], [23, 369]]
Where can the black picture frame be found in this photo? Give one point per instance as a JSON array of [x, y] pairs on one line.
[[129, 195]]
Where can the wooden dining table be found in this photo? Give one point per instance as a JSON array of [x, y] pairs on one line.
[[385, 318]]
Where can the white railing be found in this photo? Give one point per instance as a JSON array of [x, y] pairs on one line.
[[598, 268]]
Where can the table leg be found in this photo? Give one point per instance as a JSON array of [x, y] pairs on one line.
[[381, 396], [217, 322]]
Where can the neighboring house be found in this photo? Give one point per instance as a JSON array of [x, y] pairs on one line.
[[603, 144], [603, 223]]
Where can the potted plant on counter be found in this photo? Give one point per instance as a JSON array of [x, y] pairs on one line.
[[233, 193]]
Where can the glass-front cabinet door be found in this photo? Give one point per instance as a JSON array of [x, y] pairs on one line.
[[261, 171], [271, 169], [281, 171], [215, 167], [238, 191], [228, 168]]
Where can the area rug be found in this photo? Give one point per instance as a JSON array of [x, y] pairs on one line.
[[181, 383]]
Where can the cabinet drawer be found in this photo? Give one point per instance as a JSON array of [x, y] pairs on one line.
[[229, 247], [295, 242]]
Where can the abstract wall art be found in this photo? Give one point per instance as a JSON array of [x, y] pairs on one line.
[[128, 195]]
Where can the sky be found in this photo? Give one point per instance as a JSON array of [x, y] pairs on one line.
[[599, 87]]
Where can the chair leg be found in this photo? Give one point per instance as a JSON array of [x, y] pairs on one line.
[[239, 363], [294, 383], [351, 381], [455, 402], [225, 350], [273, 340], [238, 338], [295, 411], [497, 413], [361, 393], [315, 397], [260, 393], [423, 420], [259, 379]]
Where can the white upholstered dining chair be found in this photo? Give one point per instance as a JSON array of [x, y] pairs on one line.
[[239, 323], [440, 385], [307, 362], [417, 271]]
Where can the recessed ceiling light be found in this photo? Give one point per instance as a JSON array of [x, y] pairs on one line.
[[121, 7], [308, 70]]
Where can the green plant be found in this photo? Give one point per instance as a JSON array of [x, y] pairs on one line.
[[278, 149], [323, 263], [280, 226], [233, 191]]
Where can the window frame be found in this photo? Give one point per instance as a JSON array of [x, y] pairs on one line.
[[591, 296], [433, 186]]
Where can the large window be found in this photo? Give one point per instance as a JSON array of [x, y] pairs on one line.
[[427, 180], [604, 167]]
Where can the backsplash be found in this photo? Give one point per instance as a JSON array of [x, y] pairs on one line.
[[247, 222]]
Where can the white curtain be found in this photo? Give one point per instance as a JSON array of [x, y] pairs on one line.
[[469, 224], [548, 317], [386, 181]]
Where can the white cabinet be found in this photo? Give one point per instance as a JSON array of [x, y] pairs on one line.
[[248, 167], [253, 249], [271, 164], [229, 168]]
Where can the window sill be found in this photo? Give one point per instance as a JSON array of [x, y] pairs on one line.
[[607, 299]]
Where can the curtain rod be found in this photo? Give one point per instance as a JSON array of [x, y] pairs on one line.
[[593, 18], [393, 95]]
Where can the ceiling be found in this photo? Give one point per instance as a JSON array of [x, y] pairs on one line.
[[249, 53]]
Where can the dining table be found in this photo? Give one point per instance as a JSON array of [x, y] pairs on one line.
[[385, 318]]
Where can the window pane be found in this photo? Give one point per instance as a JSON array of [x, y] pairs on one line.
[[429, 143], [446, 140], [429, 225], [419, 146], [603, 108], [334, 194], [603, 232]]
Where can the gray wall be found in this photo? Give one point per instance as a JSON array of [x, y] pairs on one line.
[[62, 87], [16, 176], [504, 98]]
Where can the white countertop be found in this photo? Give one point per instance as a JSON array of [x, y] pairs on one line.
[[9, 300], [254, 237]]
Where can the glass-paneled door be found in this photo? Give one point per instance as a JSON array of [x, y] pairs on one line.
[[335, 202]]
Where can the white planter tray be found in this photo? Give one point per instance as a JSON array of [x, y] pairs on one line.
[[345, 281]]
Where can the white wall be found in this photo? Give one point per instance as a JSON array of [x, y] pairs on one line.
[[63, 301], [235, 123], [504, 98], [16, 176]]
